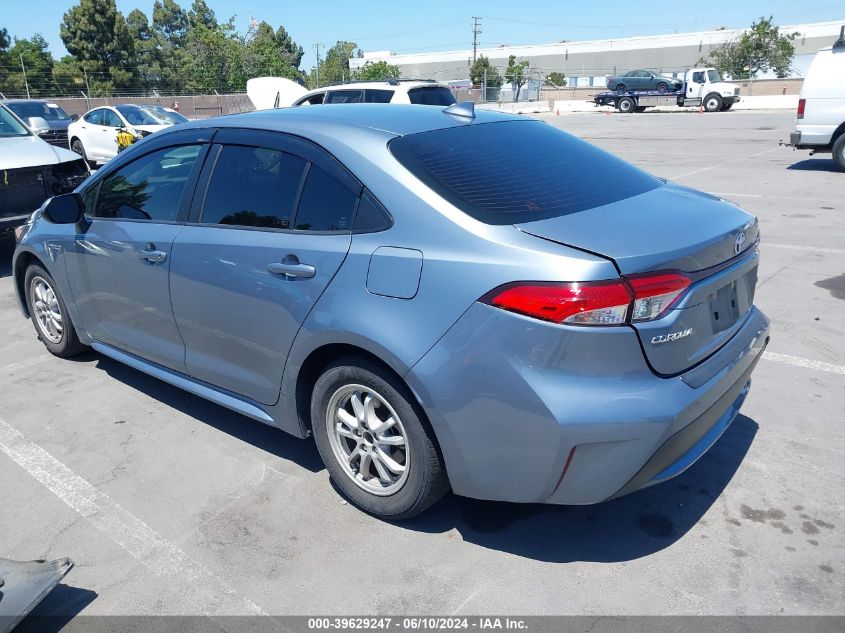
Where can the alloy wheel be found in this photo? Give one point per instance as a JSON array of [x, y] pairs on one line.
[[368, 439], [48, 312]]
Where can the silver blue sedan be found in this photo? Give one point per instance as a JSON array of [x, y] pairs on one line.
[[442, 299]]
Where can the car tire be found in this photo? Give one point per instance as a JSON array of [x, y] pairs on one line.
[[712, 103], [49, 314], [621, 89], [839, 152], [640, 109], [77, 147], [726, 107], [662, 87], [626, 105], [393, 473]]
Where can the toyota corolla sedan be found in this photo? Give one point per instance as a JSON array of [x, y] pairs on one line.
[[442, 299]]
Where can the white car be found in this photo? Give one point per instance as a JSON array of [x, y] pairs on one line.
[[94, 135], [31, 170], [820, 120], [275, 92]]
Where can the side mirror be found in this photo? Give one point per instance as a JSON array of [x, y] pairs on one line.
[[38, 125], [74, 117], [65, 209]]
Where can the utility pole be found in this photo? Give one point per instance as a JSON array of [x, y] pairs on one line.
[[476, 29], [25, 81], [317, 48]]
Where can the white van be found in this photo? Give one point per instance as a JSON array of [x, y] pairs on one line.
[[820, 121]]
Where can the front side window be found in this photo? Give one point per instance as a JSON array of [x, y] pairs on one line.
[[345, 96], [149, 188], [326, 203], [518, 171], [434, 95], [253, 186], [110, 119], [698, 77], [713, 76]]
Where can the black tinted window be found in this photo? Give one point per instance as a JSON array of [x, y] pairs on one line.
[[253, 186], [518, 171], [436, 95], [378, 96], [149, 188], [371, 216], [345, 96], [326, 204]]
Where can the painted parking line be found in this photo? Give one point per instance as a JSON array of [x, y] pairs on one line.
[[724, 164], [806, 363], [196, 586], [798, 247]]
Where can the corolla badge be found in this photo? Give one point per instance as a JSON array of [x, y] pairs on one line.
[[673, 336], [739, 242]]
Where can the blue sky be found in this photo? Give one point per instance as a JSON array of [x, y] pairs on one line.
[[431, 25]]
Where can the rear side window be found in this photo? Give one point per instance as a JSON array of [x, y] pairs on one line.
[[345, 96], [95, 117], [518, 171], [378, 96], [149, 188], [253, 186], [326, 203], [435, 95]]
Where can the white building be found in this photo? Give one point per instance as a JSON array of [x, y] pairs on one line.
[[588, 63]]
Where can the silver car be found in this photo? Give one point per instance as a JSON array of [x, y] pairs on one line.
[[443, 299]]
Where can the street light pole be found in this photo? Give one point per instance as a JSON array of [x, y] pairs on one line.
[[316, 48]]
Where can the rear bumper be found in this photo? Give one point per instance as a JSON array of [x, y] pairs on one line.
[[514, 401]]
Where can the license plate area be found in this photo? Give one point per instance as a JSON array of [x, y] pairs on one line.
[[724, 307]]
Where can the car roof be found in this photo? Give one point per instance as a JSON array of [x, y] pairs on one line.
[[402, 85], [396, 119]]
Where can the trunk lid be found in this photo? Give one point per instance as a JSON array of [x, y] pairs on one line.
[[674, 228]]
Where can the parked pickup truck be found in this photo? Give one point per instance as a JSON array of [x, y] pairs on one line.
[[820, 120], [701, 87]]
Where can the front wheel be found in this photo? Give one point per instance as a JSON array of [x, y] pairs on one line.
[[712, 103], [621, 89], [49, 314], [78, 148], [373, 440], [726, 107], [662, 88], [839, 152]]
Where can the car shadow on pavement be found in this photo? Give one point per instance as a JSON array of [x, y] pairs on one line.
[[815, 164], [262, 436], [7, 248], [624, 529], [58, 608]]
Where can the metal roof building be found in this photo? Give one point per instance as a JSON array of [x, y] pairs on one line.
[[589, 62]]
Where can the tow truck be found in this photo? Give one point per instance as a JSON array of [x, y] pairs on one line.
[[702, 87]]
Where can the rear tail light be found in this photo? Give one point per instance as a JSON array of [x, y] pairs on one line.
[[611, 302], [592, 303], [655, 294], [802, 103]]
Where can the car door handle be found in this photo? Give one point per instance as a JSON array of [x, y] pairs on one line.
[[291, 268], [151, 256]]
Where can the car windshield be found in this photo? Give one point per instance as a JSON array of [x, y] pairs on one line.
[[170, 116], [10, 126], [518, 171], [714, 76], [47, 111], [139, 115]]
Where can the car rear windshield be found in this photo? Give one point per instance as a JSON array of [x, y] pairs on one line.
[[518, 171]]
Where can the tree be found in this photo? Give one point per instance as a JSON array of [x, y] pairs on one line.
[[477, 74], [201, 14], [5, 42], [212, 59], [68, 76], [377, 71], [556, 79], [515, 75], [264, 55], [759, 49], [292, 51], [170, 22], [97, 35], [335, 66], [38, 62]]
